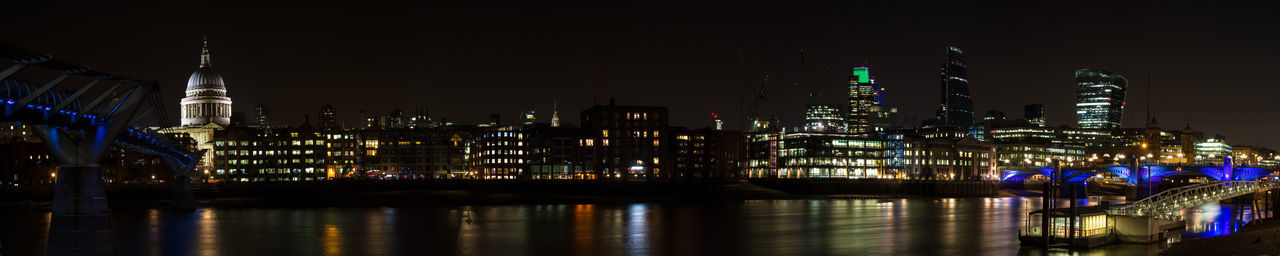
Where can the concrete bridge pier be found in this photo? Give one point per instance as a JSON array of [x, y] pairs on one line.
[[81, 221], [183, 200]]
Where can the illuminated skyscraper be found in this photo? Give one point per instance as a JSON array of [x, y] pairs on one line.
[[1099, 99], [862, 95], [956, 106]]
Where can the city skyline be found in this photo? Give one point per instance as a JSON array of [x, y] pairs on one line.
[[638, 128], [297, 74]]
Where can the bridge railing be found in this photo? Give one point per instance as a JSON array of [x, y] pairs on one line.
[[1170, 202]]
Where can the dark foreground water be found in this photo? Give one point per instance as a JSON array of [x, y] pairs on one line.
[[971, 226]]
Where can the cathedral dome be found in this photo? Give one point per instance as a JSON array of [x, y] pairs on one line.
[[205, 77], [206, 100]]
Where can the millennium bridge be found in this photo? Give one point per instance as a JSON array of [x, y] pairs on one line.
[[80, 113]]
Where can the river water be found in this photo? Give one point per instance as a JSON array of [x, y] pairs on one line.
[[916, 226]]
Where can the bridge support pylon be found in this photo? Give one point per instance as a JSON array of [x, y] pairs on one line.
[[81, 221], [183, 200]]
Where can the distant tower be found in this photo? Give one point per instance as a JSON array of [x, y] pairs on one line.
[[261, 116], [956, 106], [1099, 99], [555, 113], [862, 95], [329, 118], [395, 120], [1034, 114], [206, 100]]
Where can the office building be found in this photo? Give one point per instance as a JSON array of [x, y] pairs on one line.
[[265, 154], [862, 95], [1100, 99], [1034, 114], [628, 141], [956, 105]]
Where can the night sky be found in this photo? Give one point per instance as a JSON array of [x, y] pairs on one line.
[[1212, 64]]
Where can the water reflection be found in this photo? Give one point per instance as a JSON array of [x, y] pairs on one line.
[[973, 226], [1215, 219]]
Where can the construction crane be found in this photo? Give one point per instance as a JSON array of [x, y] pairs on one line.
[[758, 125]]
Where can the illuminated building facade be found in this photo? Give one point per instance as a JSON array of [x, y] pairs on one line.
[[949, 158], [1031, 145], [819, 155], [1099, 99], [1212, 150], [558, 152], [403, 153], [862, 95], [707, 153], [264, 154], [629, 142], [503, 153], [342, 153], [1038, 154], [956, 105], [824, 118], [1253, 155]]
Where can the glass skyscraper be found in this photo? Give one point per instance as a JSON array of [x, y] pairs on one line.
[[956, 106], [1099, 99]]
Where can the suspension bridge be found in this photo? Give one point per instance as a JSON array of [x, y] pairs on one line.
[[80, 113]]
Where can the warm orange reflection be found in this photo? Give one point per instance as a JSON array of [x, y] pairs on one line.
[[153, 221], [332, 240], [208, 236], [584, 229]]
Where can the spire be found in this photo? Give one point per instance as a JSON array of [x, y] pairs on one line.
[[555, 115], [204, 54]]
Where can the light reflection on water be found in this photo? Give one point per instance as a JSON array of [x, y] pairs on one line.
[[970, 226]]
